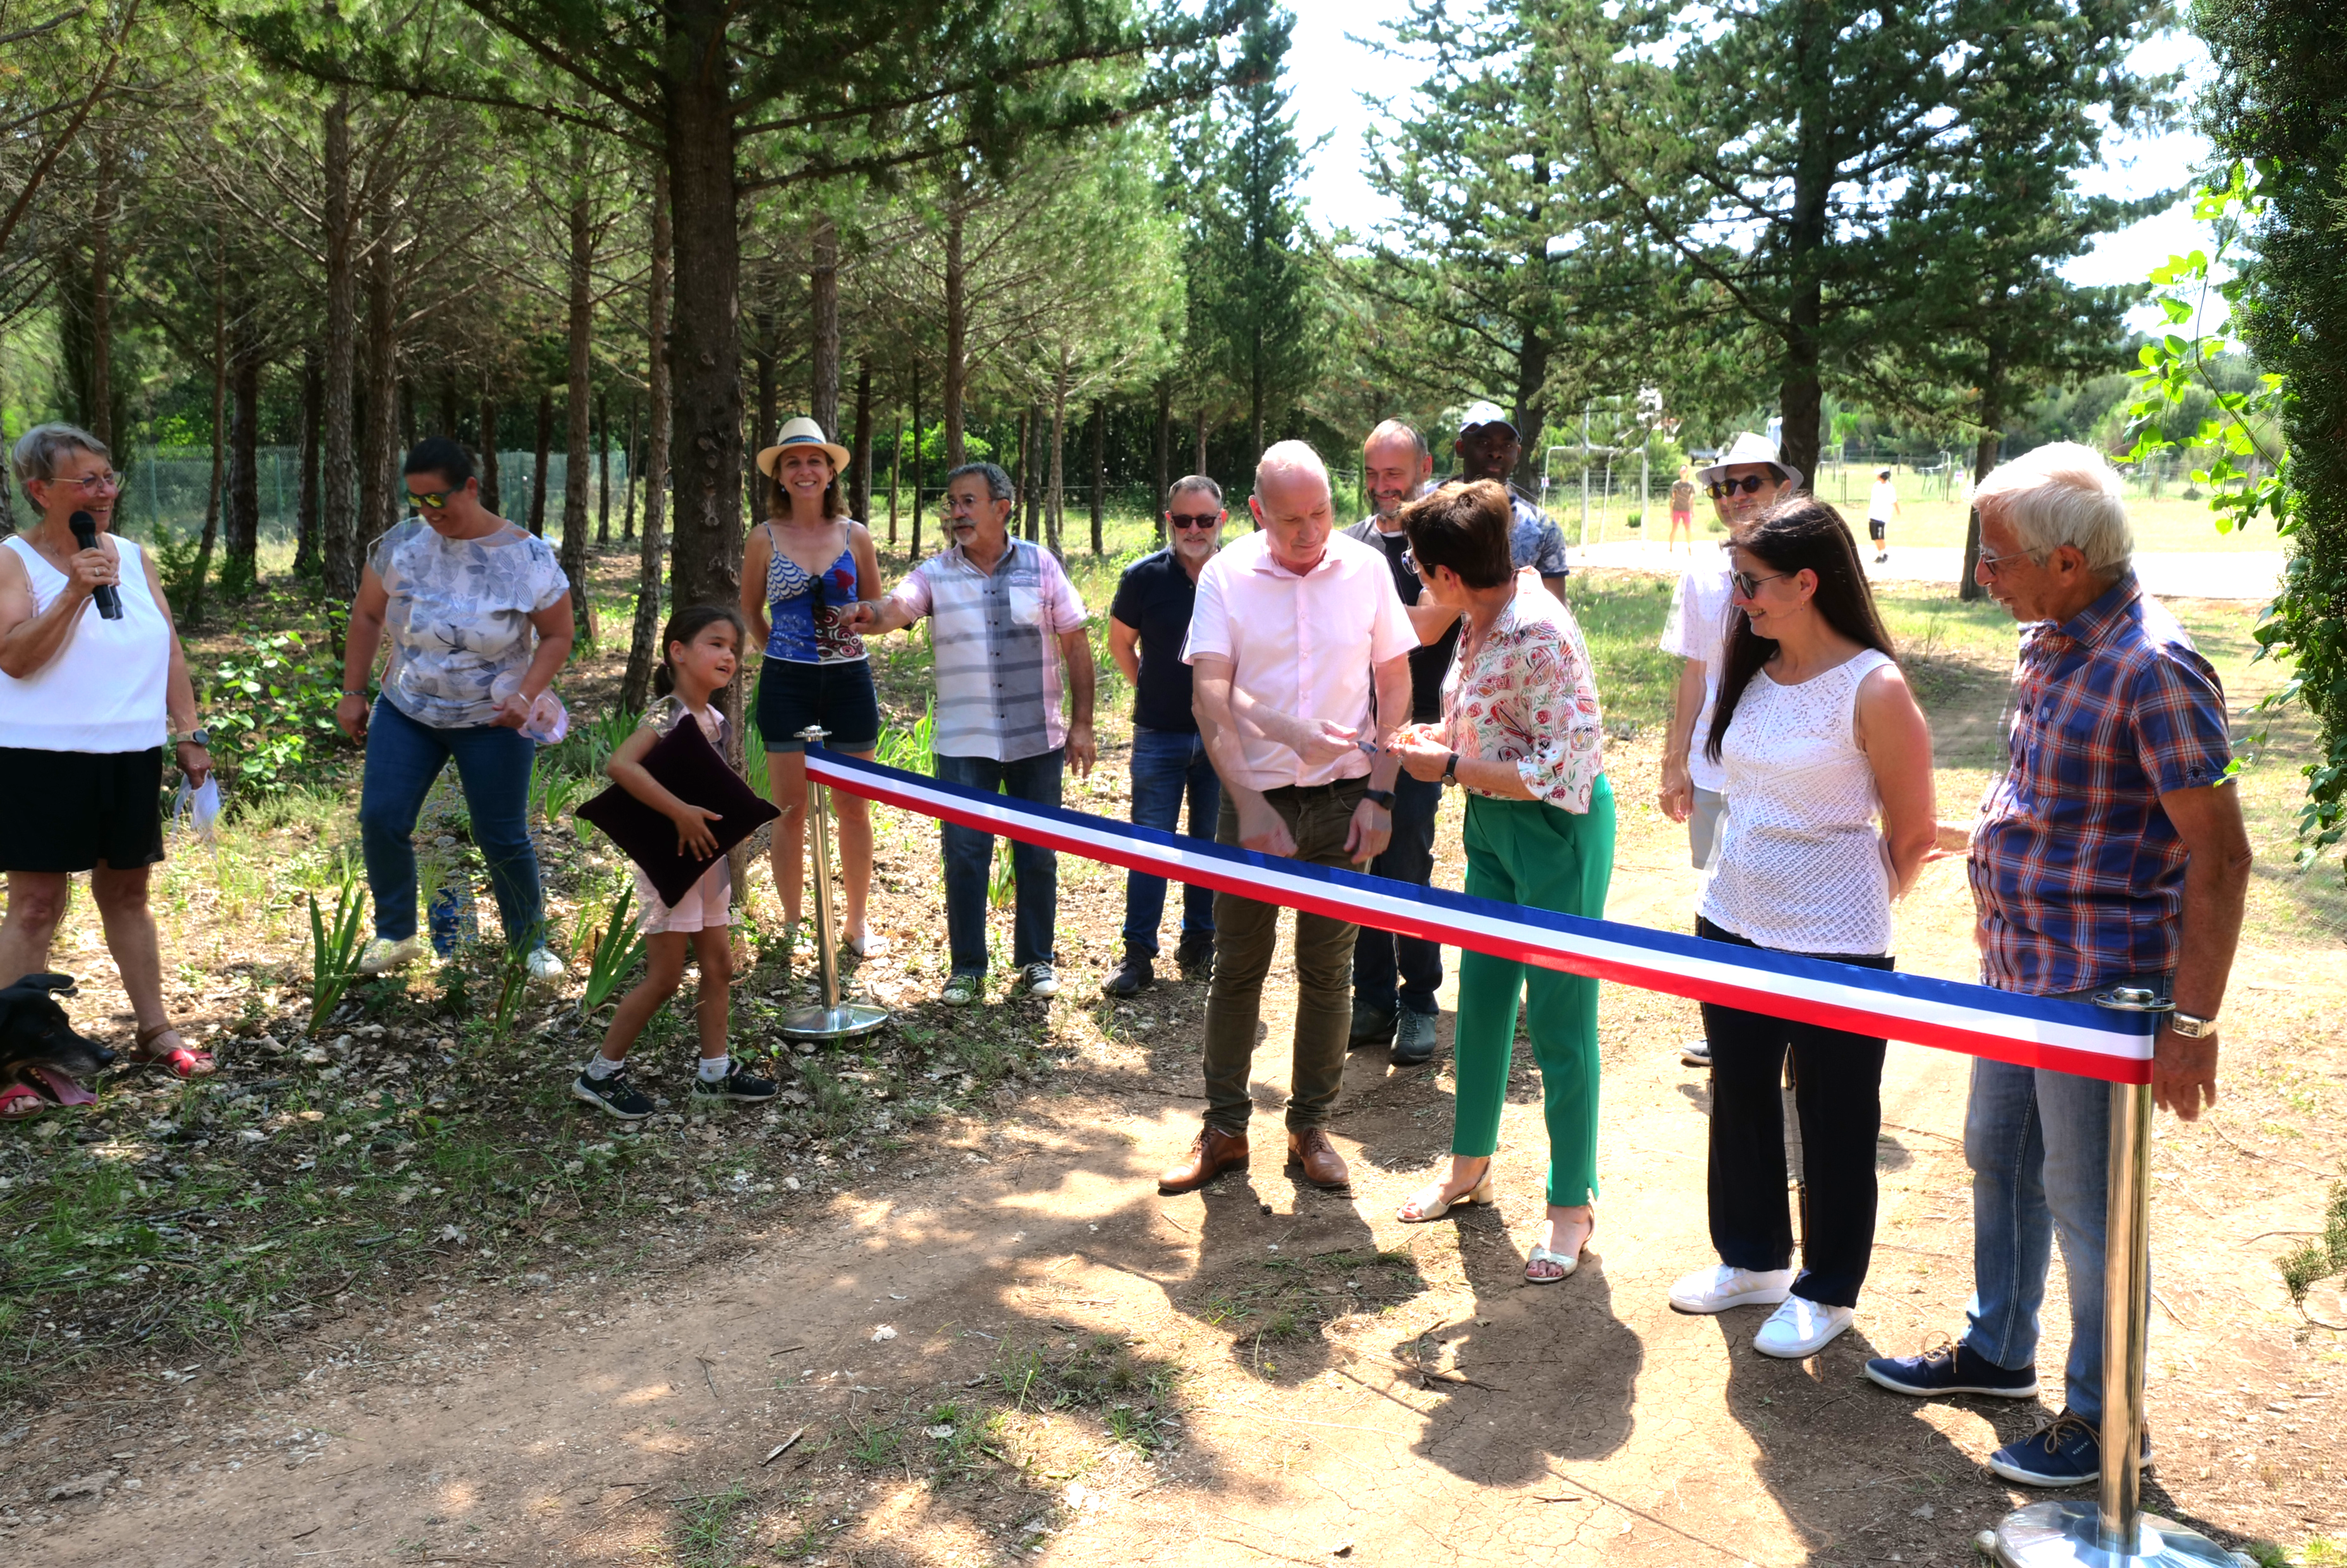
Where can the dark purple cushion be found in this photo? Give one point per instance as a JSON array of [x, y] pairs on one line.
[[688, 767]]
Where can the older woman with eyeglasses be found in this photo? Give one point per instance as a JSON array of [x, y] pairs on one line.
[[93, 688], [479, 614]]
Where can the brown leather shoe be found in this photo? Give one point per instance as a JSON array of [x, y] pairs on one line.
[[1310, 1155], [1214, 1152]]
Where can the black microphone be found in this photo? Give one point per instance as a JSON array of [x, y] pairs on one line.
[[85, 532]]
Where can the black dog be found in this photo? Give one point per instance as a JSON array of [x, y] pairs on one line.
[[38, 1046]]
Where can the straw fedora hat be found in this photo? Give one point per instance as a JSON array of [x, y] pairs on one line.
[[1746, 448], [803, 431]]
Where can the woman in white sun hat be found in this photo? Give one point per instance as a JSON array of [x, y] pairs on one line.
[[804, 565]]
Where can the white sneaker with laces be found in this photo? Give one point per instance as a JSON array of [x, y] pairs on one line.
[[1041, 981], [383, 955], [1801, 1327], [544, 966], [1720, 1287]]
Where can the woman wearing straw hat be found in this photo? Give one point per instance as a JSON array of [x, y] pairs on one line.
[[805, 564]]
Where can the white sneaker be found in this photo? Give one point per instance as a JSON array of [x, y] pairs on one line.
[[1801, 1327], [1720, 1287], [383, 954], [544, 966], [1041, 981]]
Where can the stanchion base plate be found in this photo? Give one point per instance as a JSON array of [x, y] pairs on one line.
[[2064, 1536], [843, 1021]]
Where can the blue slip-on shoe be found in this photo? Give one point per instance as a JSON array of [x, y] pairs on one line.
[[2066, 1451], [1952, 1369]]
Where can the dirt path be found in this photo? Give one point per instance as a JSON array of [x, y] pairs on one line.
[[1285, 1375]]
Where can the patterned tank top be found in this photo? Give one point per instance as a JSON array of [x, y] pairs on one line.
[[798, 606]]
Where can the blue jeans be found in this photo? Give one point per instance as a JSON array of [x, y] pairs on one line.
[[970, 861], [2039, 1146], [493, 763], [1379, 956], [1168, 766]]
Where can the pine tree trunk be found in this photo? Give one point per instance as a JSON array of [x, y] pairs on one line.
[[305, 506], [101, 292], [1163, 441], [762, 354], [578, 409], [538, 464], [635, 686], [241, 535], [492, 491], [1100, 474], [1022, 469], [956, 336], [1202, 440], [635, 462], [219, 421], [379, 438], [916, 556], [896, 478], [822, 281], [1984, 451], [859, 500], [338, 515], [1052, 507], [602, 470], [704, 356], [1032, 456]]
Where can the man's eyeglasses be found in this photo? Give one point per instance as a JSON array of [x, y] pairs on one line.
[[1749, 485], [1988, 565], [1749, 586], [1410, 561], [1200, 520], [436, 499]]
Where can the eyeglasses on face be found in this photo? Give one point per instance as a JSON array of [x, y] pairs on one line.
[[1748, 585], [1196, 520], [1410, 561], [436, 499], [1749, 485], [1988, 566], [95, 483]]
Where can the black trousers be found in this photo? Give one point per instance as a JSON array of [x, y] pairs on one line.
[[1837, 1096]]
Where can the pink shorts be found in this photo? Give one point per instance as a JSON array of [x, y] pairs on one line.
[[708, 902]]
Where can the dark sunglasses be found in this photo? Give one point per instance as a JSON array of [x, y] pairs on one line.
[[1202, 520], [436, 499], [1749, 485], [1749, 586]]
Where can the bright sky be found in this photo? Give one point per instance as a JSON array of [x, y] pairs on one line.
[[1330, 73]]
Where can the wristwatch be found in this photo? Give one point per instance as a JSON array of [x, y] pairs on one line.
[[1451, 769], [2192, 1026], [1380, 797], [199, 736]]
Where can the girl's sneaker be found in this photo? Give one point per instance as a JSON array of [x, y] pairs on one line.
[[614, 1096], [735, 1085]]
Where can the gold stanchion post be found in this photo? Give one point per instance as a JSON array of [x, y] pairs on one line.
[[2113, 1531], [832, 1018]]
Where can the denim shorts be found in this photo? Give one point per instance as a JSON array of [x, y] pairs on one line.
[[839, 697]]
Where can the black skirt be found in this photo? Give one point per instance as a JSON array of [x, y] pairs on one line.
[[69, 811]]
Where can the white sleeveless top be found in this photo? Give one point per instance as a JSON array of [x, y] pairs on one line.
[[103, 690], [1800, 865]]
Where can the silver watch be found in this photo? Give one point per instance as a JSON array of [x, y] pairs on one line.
[[2192, 1026]]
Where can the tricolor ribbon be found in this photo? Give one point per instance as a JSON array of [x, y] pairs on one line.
[[1949, 1015]]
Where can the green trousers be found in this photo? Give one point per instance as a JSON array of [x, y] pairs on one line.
[[1527, 852]]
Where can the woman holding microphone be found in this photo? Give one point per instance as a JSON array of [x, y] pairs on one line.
[[804, 565], [93, 691], [1520, 734]]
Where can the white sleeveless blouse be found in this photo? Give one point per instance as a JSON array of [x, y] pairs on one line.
[[1801, 868], [103, 690]]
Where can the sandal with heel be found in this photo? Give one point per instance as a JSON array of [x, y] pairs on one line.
[[1565, 1264], [1481, 1191]]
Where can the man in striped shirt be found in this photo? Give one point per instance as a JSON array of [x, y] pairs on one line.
[[1006, 618], [2110, 853]]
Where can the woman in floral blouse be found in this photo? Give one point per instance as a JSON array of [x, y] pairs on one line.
[[1520, 734]]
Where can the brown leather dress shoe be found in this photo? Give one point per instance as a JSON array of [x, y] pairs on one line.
[[1310, 1155], [1214, 1152]]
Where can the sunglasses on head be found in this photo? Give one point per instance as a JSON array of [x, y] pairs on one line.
[[1189, 520], [1749, 485]]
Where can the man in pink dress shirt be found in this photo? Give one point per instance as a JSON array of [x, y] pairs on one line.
[[1295, 628]]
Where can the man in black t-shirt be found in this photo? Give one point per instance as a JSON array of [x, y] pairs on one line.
[[1395, 977], [1148, 623]]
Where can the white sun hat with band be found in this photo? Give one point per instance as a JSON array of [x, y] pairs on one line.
[[803, 431], [1744, 450]]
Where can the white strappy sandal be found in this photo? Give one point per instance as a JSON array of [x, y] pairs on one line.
[[1566, 1263], [1483, 1192]]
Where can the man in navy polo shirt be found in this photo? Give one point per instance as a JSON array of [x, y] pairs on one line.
[[1148, 623]]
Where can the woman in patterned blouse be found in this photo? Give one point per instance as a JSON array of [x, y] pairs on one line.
[[1522, 735]]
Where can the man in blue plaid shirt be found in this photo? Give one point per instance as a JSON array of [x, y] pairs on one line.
[[2111, 852]]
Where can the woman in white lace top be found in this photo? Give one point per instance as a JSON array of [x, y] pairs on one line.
[[1829, 818]]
